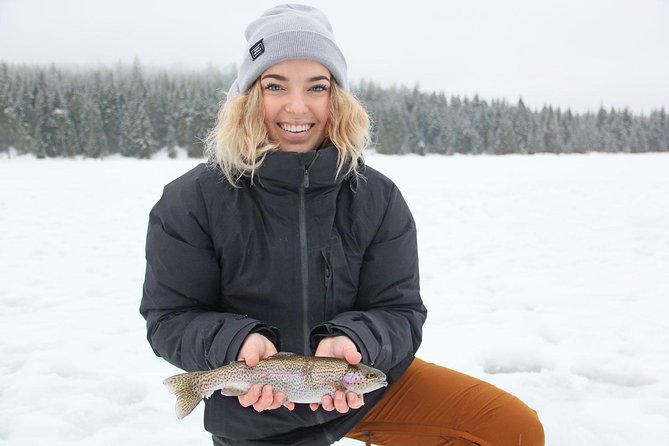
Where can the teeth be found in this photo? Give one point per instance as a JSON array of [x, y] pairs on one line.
[[296, 128]]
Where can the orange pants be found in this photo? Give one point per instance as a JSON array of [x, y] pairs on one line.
[[432, 405]]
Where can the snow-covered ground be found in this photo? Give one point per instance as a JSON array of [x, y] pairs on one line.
[[545, 275]]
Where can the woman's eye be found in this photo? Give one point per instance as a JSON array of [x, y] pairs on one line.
[[273, 87], [319, 88]]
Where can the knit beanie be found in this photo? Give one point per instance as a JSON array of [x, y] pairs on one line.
[[289, 32]]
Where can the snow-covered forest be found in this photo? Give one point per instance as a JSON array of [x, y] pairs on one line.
[[61, 112]]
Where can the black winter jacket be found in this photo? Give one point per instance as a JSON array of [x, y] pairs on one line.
[[295, 255]]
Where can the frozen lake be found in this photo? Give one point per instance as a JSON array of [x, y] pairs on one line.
[[545, 275]]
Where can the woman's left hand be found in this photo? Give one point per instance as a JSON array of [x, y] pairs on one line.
[[341, 347], [255, 348]]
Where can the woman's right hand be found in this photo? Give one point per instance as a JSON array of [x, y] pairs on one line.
[[255, 348]]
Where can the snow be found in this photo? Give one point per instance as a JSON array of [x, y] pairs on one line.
[[545, 275]]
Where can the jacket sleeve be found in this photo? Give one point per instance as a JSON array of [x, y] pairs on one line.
[[181, 290], [386, 323]]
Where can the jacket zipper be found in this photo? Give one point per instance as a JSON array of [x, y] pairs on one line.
[[304, 253], [304, 263]]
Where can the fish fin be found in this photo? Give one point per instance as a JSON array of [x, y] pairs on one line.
[[182, 386], [282, 355], [233, 391]]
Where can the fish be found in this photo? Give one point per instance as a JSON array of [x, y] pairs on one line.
[[303, 379]]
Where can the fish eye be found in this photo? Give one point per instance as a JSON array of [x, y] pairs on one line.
[[371, 375]]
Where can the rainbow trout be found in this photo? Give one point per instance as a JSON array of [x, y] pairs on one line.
[[303, 379]]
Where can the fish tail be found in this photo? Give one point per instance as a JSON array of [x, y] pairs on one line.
[[182, 386]]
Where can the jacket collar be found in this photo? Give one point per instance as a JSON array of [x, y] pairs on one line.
[[315, 169]]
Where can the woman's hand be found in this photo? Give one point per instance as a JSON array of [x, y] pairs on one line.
[[343, 348], [255, 348]]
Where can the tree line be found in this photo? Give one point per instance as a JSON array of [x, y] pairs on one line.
[[135, 112]]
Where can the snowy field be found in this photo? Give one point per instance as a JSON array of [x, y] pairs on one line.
[[545, 275]]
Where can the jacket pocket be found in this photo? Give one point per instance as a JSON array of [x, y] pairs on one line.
[[339, 287], [328, 294]]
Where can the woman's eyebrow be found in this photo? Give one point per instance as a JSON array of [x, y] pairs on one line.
[[319, 78], [274, 76], [283, 78]]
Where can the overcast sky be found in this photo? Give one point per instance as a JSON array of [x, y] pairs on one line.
[[568, 53]]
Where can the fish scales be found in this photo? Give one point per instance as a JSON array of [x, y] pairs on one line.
[[303, 379]]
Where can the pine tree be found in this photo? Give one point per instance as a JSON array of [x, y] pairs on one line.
[[535, 139], [8, 119], [639, 138], [658, 129], [566, 124], [158, 105], [76, 115], [551, 131], [52, 128], [204, 111], [171, 140], [136, 138], [505, 138], [111, 110], [582, 135], [392, 133], [602, 141], [95, 139], [522, 123], [142, 136]]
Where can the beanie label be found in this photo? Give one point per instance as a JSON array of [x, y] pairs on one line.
[[257, 49]]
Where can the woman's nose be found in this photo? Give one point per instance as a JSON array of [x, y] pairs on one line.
[[296, 103]]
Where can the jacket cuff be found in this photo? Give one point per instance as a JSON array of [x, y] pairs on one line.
[[325, 330], [270, 332], [223, 352], [328, 329]]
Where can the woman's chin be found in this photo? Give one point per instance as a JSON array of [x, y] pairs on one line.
[[297, 145]]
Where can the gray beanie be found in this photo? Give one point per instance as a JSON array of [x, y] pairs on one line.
[[289, 32]]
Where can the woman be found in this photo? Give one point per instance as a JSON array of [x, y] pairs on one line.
[[287, 242]]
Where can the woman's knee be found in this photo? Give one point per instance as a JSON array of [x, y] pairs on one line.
[[518, 424]]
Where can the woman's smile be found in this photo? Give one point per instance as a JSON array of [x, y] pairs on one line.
[[296, 128]]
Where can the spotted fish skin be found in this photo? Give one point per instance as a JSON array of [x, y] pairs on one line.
[[303, 379]]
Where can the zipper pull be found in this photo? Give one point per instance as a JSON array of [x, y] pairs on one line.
[[328, 274], [305, 183]]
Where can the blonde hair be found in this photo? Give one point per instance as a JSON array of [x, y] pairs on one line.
[[239, 141]]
